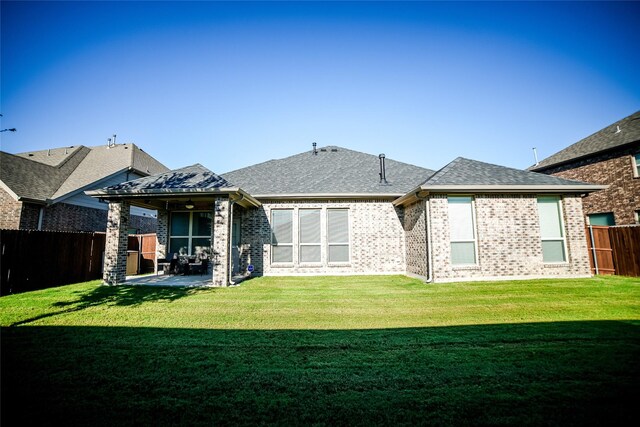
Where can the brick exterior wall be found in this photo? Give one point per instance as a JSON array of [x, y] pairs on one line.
[[11, 213], [508, 240], [376, 240], [220, 241], [614, 169], [416, 239], [115, 255], [162, 234], [16, 215]]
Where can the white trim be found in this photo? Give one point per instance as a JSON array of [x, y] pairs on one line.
[[303, 196], [271, 232], [579, 188], [560, 203], [474, 224], [189, 237], [6, 188], [636, 166]]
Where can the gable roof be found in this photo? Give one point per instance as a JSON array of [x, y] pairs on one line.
[[620, 133], [50, 175], [471, 176], [194, 180], [332, 171]]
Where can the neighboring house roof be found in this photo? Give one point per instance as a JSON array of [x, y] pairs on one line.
[[621, 133], [332, 171], [50, 175], [471, 176], [191, 180]]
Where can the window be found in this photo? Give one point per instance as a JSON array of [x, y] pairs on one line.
[[551, 229], [338, 235], [309, 235], [602, 219], [282, 235], [462, 231], [190, 233], [636, 165], [637, 217]]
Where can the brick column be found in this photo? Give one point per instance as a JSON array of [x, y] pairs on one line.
[[115, 255], [162, 234], [220, 241]]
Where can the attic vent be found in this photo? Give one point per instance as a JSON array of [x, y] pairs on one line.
[[30, 154], [334, 150], [324, 150]]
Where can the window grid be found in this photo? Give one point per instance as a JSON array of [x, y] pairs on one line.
[[549, 253], [338, 247], [282, 246], [189, 237], [309, 236], [458, 242]]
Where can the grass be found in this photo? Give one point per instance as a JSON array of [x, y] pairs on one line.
[[325, 350]]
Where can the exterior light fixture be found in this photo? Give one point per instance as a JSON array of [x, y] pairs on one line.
[[189, 204]]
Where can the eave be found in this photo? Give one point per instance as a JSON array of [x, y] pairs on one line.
[[425, 190], [159, 198]]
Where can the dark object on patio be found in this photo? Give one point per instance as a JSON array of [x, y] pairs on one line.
[[201, 265]]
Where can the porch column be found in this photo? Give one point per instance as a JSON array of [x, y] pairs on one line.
[[220, 241], [162, 234], [115, 252]]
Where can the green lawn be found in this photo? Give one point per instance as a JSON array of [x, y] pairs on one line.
[[325, 350]]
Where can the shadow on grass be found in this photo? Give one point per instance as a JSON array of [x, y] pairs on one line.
[[121, 295], [565, 373]]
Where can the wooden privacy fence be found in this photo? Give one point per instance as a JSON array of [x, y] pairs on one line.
[[614, 250], [33, 259], [143, 248]]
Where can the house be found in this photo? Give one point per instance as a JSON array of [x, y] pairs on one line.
[[335, 211], [44, 190], [610, 157]]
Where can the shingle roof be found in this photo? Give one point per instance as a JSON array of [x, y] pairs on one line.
[[466, 172], [51, 174], [620, 133], [333, 170], [190, 178]]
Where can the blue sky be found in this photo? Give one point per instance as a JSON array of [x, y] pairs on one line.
[[228, 85]]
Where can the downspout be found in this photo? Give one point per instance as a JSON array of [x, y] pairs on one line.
[[427, 227], [40, 217], [593, 250]]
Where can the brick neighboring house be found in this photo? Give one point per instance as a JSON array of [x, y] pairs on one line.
[[337, 211], [610, 157], [44, 190]]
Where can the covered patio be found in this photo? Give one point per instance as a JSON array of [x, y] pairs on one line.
[[195, 219]]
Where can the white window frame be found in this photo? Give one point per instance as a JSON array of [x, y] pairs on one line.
[[473, 228], [562, 228], [636, 165], [348, 244], [293, 237], [301, 244], [189, 237]]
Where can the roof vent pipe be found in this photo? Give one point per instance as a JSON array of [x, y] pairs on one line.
[[535, 155], [383, 172], [315, 150]]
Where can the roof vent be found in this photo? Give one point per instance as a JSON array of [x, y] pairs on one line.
[[383, 172], [111, 142], [618, 130], [315, 150], [30, 154], [324, 150], [334, 150]]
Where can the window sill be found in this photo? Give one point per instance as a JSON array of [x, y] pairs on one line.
[[310, 265], [465, 267], [339, 264], [282, 265], [555, 264]]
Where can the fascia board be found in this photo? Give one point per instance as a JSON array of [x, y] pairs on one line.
[[299, 196], [82, 189], [587, 188]]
